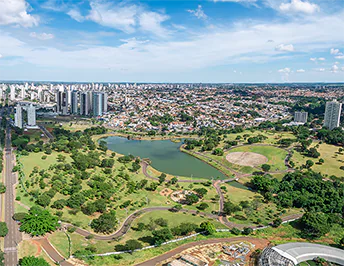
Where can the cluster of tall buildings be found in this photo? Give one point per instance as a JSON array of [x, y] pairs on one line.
[[31, 116], [86, 103]]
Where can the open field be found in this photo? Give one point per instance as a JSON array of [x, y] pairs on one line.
[[246, 158], [333, 160], [274, 155]]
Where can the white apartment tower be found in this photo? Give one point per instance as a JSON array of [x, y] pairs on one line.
[[18, 119], [332, 114], [31, 115], [12, 93], [300, 117]]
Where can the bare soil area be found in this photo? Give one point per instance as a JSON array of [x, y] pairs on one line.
[[246, 158]]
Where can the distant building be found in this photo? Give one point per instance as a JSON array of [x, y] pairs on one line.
[[31, 115], [74, 102], [84, 104], [18, 118], [62, 102], [12, 93], [332, 114], [99, 103], [300, 117]]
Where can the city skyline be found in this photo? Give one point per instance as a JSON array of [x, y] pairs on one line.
[[169, 41]]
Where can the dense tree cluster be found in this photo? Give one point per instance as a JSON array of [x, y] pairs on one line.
[[39, 222], [31, 260], [322, 200]]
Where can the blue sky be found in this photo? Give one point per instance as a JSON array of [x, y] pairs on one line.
[[172, 41]]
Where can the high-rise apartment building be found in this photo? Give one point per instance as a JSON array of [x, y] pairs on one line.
[[97, 106], [300, 117], [62, 102], [74, 102], [332, 114], [18, 118], [99, 103], [84, 103], [31, 115]]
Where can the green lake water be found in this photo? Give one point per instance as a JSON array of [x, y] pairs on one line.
[[165, 157]]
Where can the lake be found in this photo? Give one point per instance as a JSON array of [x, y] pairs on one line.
[[165, 157]]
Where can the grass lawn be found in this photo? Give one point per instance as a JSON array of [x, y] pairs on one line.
[[30, 248], [333, 160]]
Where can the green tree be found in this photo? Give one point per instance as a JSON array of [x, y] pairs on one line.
[[106, 223], [3, 229], [277, 222], [247, 231], [39, 222], [133, 244], [2, 188], [31, 260], [202, 206], [208, 227], [191, 198], [162, 178], [162, 235], [309, 164], [314, 224], [229, 208], [266, 167]]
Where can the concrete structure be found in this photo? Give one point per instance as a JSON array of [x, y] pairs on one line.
[[332, 114], [291, 254], [99, 103], [12, 93], [18, 118], [300, 117], [84, 104], [74, 102], [62, 102], [31, 115]]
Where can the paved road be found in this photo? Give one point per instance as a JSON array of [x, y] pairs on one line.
[[46, 132], [13, 237], [53, 254], [180, 249]]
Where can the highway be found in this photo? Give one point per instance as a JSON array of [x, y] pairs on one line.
[[13, 237]]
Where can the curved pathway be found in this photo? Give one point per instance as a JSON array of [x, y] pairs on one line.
[[128, 221], [52, 252]]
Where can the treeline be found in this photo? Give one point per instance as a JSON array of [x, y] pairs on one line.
[[322, 200]]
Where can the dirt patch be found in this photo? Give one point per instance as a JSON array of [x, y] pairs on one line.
[[166, 192], [246, 158]]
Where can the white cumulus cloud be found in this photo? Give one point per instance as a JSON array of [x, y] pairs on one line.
[[340, 56], [301, 71], [285, 70], [321, 59], [334, 51], [298, 6], [198, 12], [16, 12], [334, 69], [42, 36], [285, 47]]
